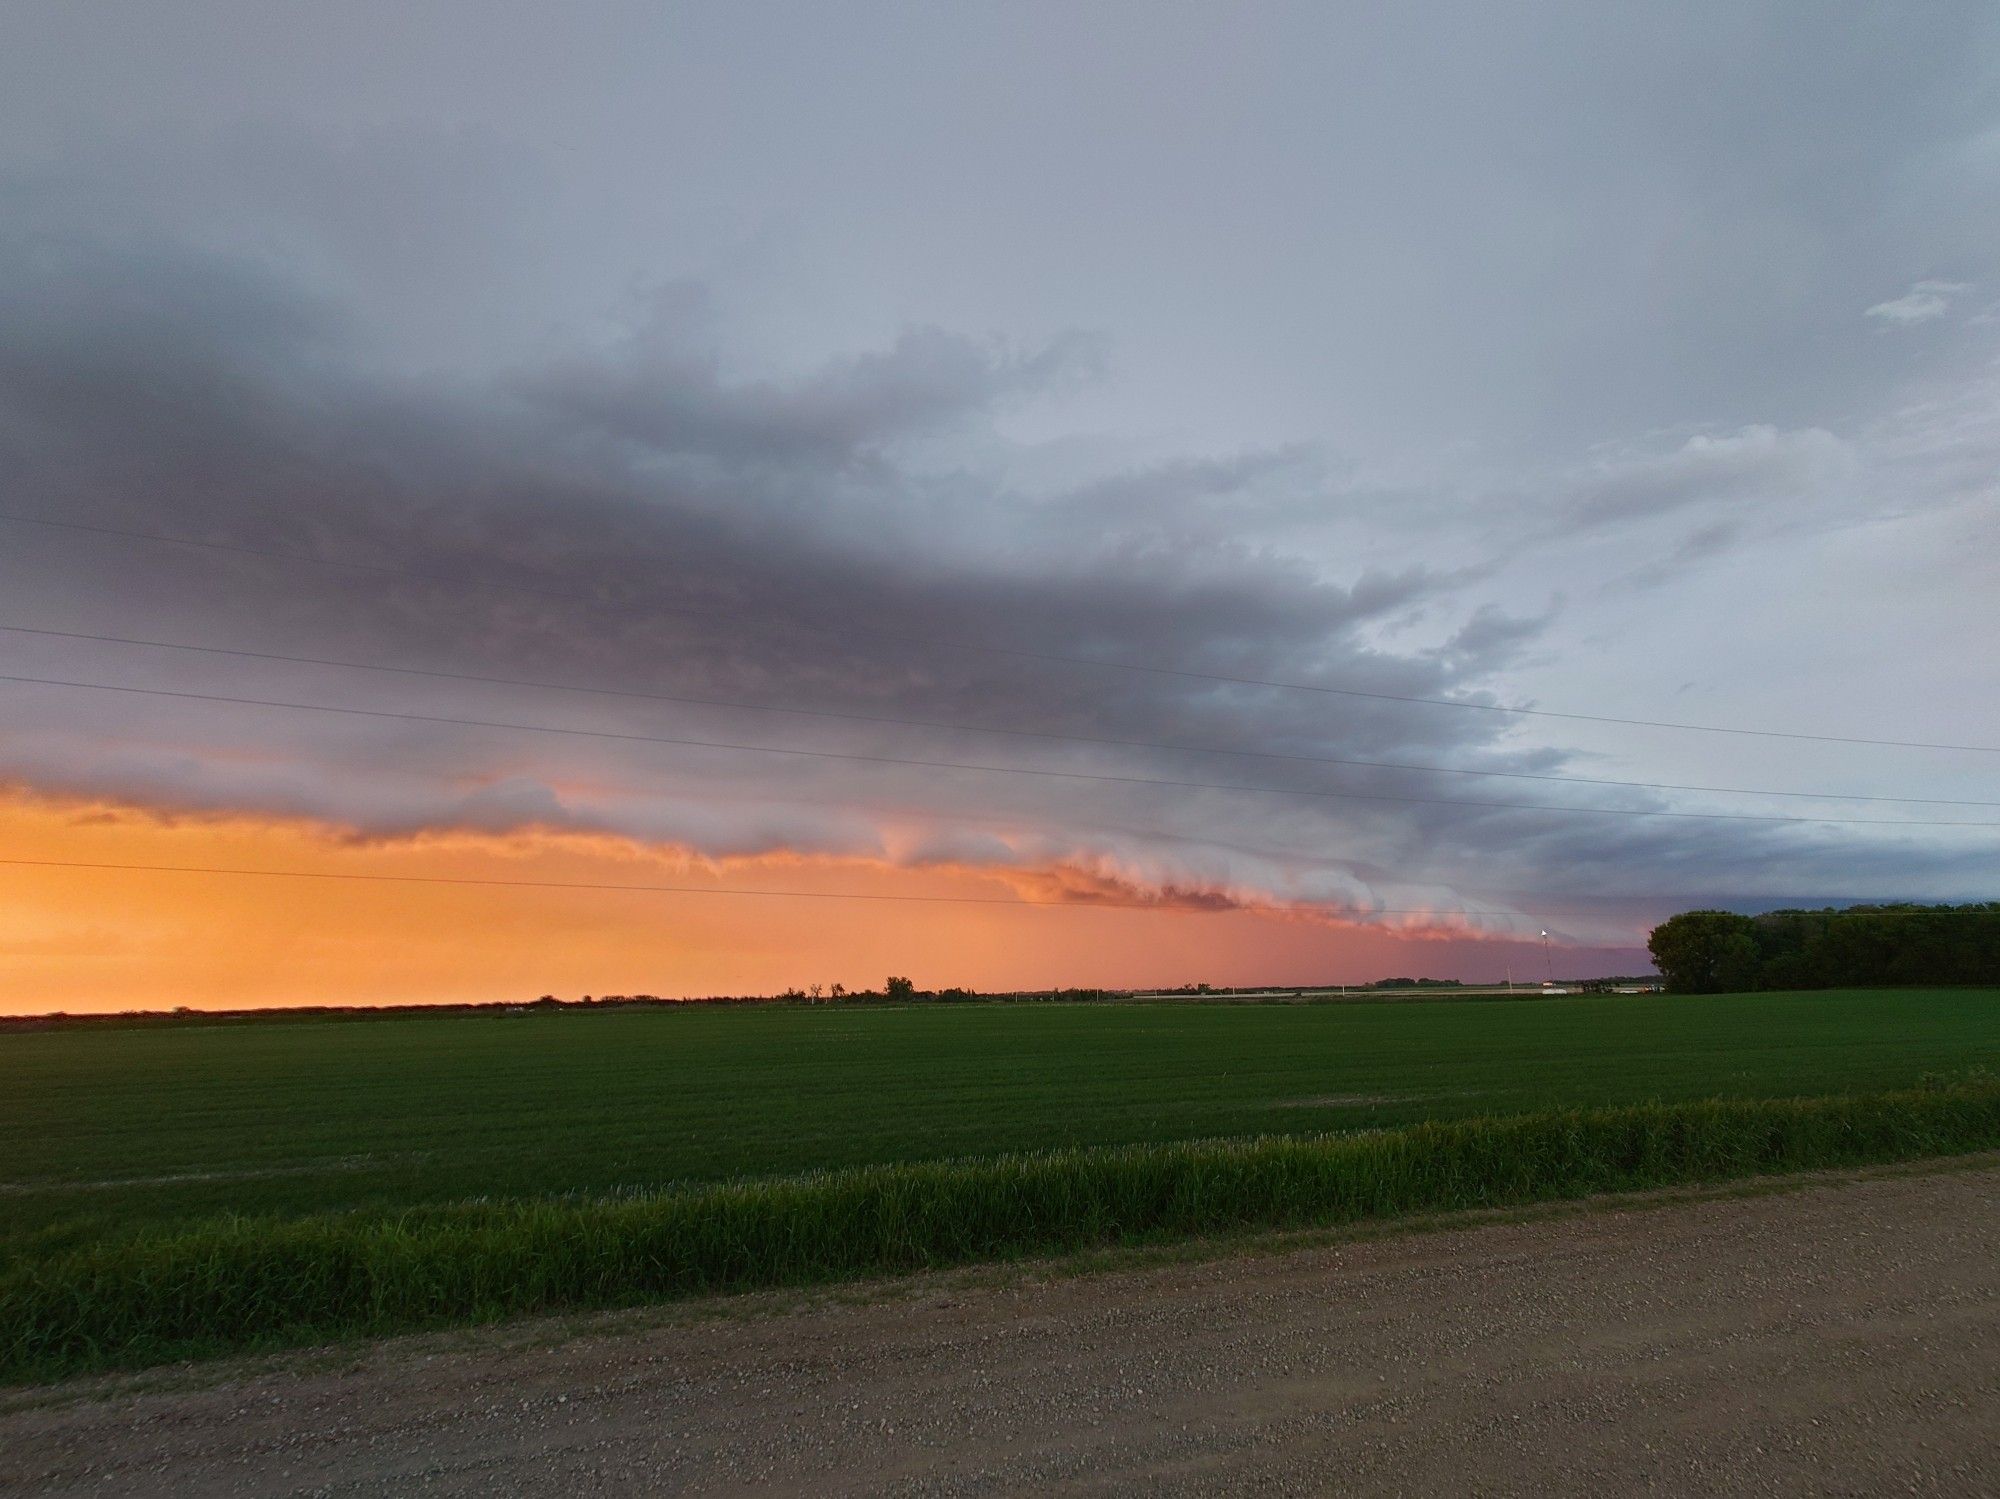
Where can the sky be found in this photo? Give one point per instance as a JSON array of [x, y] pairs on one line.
[[1187, 433]]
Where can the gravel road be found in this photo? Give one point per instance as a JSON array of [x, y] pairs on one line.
[[1839, 1339]]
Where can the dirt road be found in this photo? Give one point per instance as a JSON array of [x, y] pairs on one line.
[[1841, 1339]]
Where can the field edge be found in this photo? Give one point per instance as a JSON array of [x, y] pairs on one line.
[[247, 1285], [551, 1329]]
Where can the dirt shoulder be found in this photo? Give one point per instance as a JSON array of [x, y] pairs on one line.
[[1841, 1338]]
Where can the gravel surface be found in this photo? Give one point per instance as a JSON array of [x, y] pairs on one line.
[[1839, 1339]]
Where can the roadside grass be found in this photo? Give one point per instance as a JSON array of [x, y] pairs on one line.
[[263, 1282], [500, 1338]]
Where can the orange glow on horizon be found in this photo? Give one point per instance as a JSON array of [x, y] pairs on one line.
[[98, 940]]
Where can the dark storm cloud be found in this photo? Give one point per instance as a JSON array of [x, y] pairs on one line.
[[632, 517], [737, 518]]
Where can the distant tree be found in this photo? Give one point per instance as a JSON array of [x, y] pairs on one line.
[[1703, 951], [1706, 952], [839, 991], [816, 991], [900, 988]]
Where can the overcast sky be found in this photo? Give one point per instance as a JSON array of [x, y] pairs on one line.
[[864, 359]]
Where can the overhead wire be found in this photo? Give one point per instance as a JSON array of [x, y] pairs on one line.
[[971, 728], [1211, 907], [1015, 770], [1204, 907], [740, 619]]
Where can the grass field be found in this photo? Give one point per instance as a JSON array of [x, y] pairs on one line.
[[106, 1132], [193, 1188]]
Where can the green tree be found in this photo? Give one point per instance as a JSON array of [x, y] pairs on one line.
[[1706, 952], [900, 988]]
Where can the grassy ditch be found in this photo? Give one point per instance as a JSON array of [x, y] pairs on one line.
[[248, 1283]]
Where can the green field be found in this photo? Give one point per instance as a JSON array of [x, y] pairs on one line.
[[193, 1189], [109, 1132]]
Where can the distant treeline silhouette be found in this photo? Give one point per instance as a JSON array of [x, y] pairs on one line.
[[1721, 952], [895, 991]]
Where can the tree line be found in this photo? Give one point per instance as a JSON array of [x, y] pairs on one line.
[[1721, 952]]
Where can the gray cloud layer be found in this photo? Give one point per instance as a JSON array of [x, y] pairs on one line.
[[630, 519], [1751, 374]]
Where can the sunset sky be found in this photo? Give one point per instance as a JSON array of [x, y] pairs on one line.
[[1216, 412]]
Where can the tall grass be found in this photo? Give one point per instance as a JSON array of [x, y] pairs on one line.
[[261, 1282]]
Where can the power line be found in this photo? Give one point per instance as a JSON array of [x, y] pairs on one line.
[[1012, 770], [1205, 907], [1017, 653], [1198, 907], [928, 723]]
